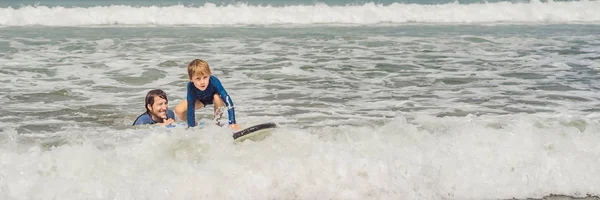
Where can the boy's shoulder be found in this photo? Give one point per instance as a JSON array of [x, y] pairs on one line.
[[214, 80]]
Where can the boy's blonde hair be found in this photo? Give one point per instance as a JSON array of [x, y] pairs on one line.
[[198, 67]]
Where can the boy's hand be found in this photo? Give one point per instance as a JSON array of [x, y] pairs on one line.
[[234, 127]]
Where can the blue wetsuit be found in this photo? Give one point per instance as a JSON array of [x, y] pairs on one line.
[[206, 97], [147, 119]]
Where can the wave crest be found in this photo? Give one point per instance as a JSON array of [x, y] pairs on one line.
[[244, 14]]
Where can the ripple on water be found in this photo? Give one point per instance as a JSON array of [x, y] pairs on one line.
[[48, 97], [147, 76], [552, 87], [564, 97], [524, 75], [457, 80]]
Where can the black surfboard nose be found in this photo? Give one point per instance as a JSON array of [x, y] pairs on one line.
[[253, 129]]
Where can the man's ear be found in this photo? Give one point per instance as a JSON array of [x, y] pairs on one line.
[[149, 107]]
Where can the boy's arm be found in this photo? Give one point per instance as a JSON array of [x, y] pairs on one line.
[[191, 99], [223, 93]]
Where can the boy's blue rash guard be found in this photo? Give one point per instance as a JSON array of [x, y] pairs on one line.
[[146, 119], [206, 97]]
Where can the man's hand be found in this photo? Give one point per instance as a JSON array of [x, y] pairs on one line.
[[234, 127], [167, 122]]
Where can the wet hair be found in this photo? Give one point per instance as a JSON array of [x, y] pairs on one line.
[[150, 97], [198, 66]]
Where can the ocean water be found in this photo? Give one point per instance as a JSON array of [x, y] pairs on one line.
[[374, 99]]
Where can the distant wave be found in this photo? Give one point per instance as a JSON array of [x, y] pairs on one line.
[[244, 14]]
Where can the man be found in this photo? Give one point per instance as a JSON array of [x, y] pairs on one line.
[[157, 111]]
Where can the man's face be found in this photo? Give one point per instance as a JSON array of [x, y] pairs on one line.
[[158, 110], [200, 81]]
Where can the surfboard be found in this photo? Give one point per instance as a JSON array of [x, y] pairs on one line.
[[254, 133]]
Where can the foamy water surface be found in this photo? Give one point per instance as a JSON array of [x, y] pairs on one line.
[[366, 112]]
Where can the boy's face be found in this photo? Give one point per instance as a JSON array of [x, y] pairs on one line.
[[200, 81], [159, 108]]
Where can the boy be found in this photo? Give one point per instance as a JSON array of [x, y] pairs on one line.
[[204, 89], [157, 111]]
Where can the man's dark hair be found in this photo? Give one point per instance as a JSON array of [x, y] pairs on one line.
[[150, 97]]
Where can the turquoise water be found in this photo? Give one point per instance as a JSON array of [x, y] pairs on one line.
[[495, 100]]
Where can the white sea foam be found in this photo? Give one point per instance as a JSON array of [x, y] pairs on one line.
[[517, 156], [243, 14]]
